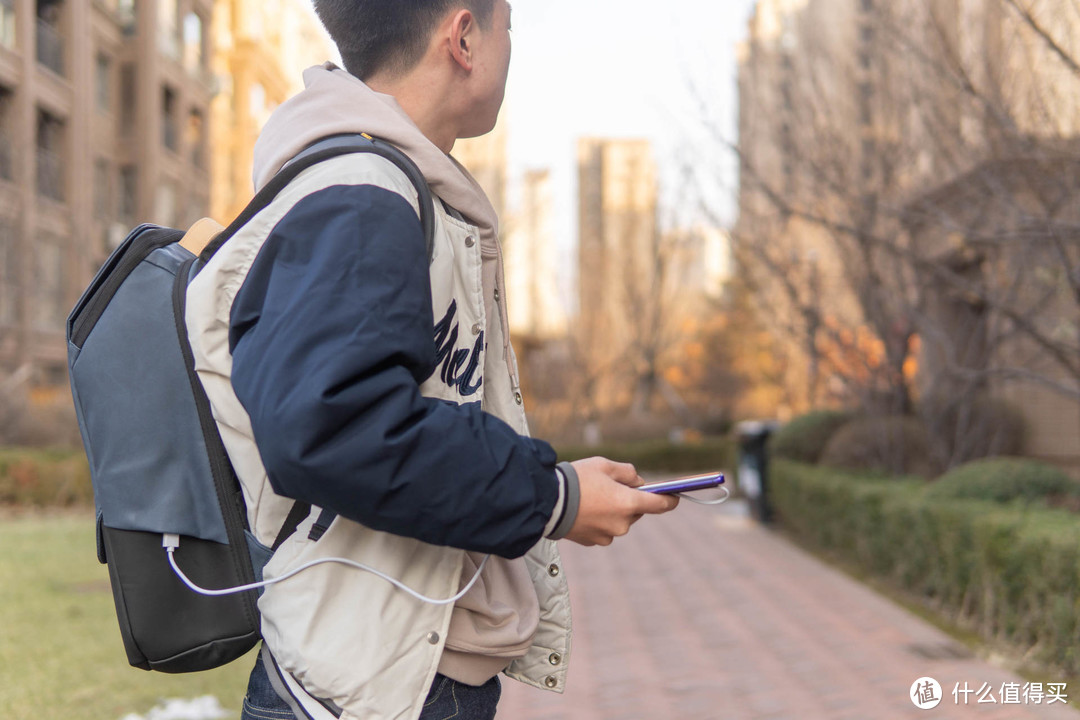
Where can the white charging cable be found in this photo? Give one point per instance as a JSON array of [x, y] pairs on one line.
[[171, 541], [718, 501]]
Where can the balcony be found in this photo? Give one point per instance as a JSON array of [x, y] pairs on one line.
[[122, 11], [50, 175], [50, 47]]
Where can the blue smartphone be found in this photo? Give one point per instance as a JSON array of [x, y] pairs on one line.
[[685, 484]]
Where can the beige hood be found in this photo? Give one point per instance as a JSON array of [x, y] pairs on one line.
[[335, 102]]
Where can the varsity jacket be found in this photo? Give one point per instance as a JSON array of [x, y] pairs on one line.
[[345, 370]]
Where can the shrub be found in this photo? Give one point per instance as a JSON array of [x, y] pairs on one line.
[[44, 478], [804, 438], [1004, 480], [969, 428], [1010, 573], [47, 420], [893, 444], [661, 455]]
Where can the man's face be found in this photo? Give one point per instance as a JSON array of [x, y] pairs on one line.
[[492, 63]]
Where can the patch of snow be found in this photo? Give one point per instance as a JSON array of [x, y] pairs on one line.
[[206, 707]]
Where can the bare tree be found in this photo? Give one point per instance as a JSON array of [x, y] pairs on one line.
[[918, 182]]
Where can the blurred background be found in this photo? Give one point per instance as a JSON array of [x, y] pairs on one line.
[[711, 211], [856, 220]]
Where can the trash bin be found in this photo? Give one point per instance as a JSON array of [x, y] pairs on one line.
[[752, 436]]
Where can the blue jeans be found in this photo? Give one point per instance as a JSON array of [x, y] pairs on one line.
[[446, 699]]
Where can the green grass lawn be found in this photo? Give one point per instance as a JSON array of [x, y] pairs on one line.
[[60, 650]]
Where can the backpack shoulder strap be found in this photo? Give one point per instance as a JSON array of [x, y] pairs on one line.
[[325, 149]]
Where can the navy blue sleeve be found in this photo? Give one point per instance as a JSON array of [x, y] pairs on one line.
[[332, 334]]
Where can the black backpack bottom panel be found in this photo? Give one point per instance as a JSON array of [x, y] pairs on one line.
[[177, 629]]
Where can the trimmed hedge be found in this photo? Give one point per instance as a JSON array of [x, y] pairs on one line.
[[1005, 479], [894, 444], [661, 455], [804, 438], [44, 478], [1009, 572]]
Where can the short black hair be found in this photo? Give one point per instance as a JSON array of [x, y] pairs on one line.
[[376, 35]]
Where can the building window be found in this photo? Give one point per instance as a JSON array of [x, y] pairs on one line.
[[194, 138], [867, 160], [127, 99], [168, 29], [257, 103], [49, 308], [50, 43], [128, 194], [103, 84], [165, 204], [7, 146], [125, 14], [254, 24], [9, 271], [197, 207], [7, 24], [193, 42], [168, 119], [866, 34], [102, 189], [50, 156], [866, 98], [785, 94]]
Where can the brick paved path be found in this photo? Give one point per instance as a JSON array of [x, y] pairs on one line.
[[703, 615]]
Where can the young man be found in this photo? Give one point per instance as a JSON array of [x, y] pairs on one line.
[[380, 386]]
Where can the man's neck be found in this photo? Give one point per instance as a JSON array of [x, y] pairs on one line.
[[423, 100]]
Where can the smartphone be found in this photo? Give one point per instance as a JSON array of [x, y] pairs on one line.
[[686, 484]]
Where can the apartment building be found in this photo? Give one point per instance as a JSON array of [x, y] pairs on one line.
[[539, 311], [485, 158], [103, 124], [261, 48], [617, 246]]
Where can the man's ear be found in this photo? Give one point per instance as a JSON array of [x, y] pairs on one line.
[[461, 38]]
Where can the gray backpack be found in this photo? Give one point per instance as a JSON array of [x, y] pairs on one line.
[[157, 462]]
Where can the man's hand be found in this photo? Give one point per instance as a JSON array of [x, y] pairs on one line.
[[609, 504]]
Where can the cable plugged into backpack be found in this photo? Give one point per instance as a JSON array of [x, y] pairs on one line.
[[171, 541]]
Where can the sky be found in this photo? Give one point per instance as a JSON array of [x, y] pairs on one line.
[[659, 69], [662, 70]]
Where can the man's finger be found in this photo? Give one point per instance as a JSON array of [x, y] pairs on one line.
[[626, 474], [655, 504]]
